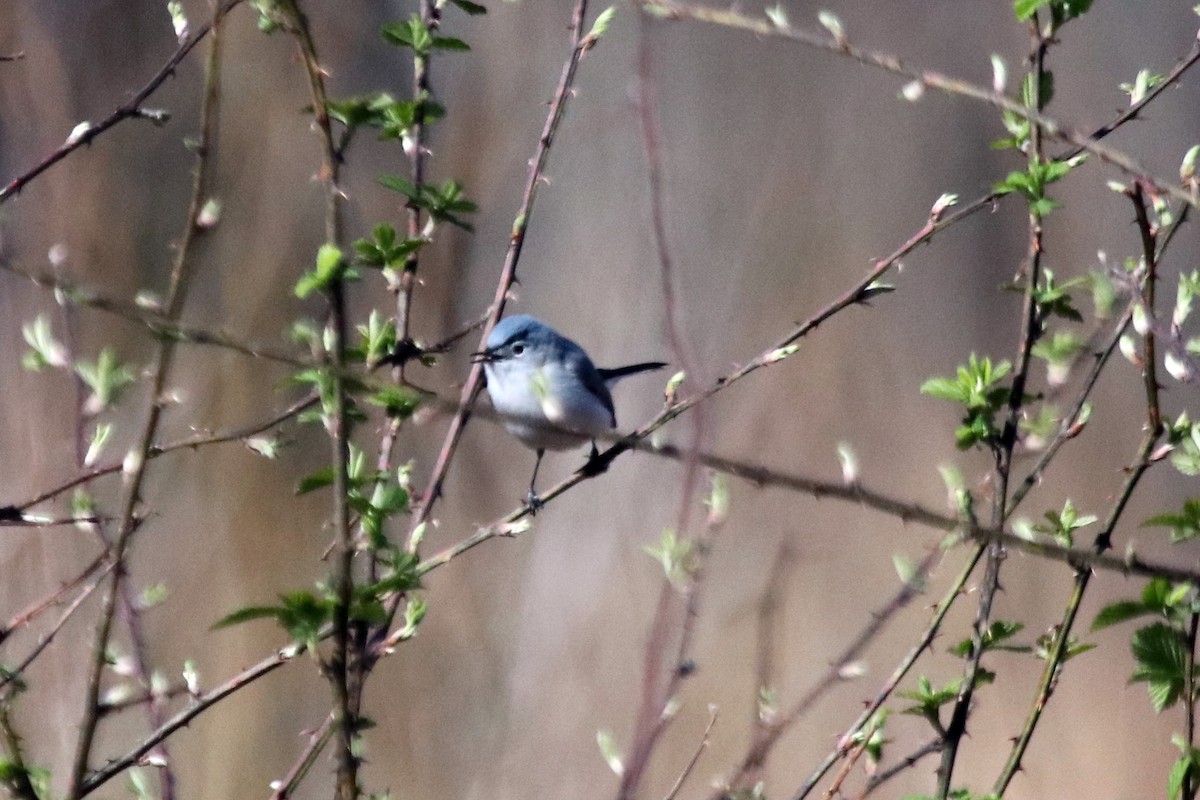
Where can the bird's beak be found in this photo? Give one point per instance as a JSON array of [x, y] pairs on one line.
[[483, 357]]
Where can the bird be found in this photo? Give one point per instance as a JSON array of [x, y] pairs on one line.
[[546, 389]]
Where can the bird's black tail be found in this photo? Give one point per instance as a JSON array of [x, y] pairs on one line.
[[616, 373]]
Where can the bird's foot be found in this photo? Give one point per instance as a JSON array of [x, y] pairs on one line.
[[596, 464], [534, 503]]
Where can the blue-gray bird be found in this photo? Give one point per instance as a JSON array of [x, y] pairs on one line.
[[546, 389]]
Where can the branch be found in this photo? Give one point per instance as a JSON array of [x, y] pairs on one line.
[[129, 520], [10, 675], [691, 765], [16, 775], [927, 749], [1083, 575], [889, 686], [316, 743], [240, 434], [767, 735], [203, 702], [345, 720], [670, 9], [131, 109]]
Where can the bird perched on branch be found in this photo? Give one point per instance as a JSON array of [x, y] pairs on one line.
[[546, 389]]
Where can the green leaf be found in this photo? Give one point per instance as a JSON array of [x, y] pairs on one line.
[[317, 480], [1121, 611], [107, 377], [608, 751], [1186, 769], [450, 43], [44, 349], [411, 34], [1025, 9], [247, 614], [398, 401], [471, 8], [330, 268], [1161, 660], [944, 388], [993, 639], [675, 555], [1184, 526]]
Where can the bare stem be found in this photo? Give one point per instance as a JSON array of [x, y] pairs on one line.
[[129, 519], [338, 667]]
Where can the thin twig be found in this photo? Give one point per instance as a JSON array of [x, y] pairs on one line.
[[767, 733], [762, 26], [316, 743], [1083, 575], [15, 776], [131, 109], [239, 434], [1103, 541], [9, 675], [129, 519], [889, 686], [1189, 700], [848, 763], [1148, 234], [1031, 329], [652, 719], [26, 616], [700, 748], [338, 668], [765, 667], [202, 703], [906, 763]]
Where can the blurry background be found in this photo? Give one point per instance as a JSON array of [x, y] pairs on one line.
[[786, 172]]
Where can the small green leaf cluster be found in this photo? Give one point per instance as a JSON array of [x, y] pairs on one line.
[[271, 17], [1017, 125], [677, 557], [978, 387], [444, 203], [928, 701], [375, 496], [394, 119], [414, 34], [382, 251], [1184, 524], [1183, 445], [16, 777], [1060, 10], [994, 638], [1143, 83], [44, 350], [871, 738], [107, 377], [1159, 649], [1185, 770], [307, 615], [1059, 525], [1032, 182], [331, 268]]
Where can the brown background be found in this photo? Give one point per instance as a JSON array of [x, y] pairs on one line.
[[787, 171]]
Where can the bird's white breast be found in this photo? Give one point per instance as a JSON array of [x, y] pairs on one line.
[[546, 406]]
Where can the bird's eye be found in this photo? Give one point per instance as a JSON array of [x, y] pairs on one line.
[[518, 348]]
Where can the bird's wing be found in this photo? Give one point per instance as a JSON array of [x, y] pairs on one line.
[[592, 380]]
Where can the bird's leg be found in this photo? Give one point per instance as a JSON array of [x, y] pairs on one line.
[[595, 465], [532, 500]]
